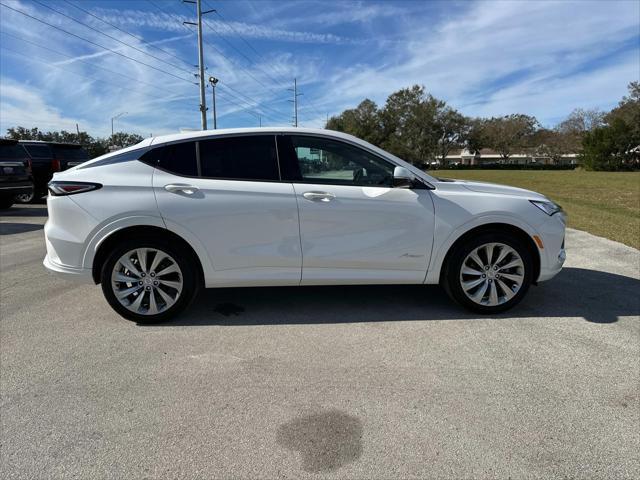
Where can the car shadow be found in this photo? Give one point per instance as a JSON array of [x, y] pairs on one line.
[[8, 228], [22, 211], [596, 296]]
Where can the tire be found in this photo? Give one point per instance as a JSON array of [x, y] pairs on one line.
[[6, 202], [148, 284], [474, 287], [26, 197]]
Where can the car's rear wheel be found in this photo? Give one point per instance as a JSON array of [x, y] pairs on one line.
[[26, 197], [149, 280], [489, 273]]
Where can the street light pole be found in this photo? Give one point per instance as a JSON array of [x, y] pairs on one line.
[[115, 118], [213, 81]]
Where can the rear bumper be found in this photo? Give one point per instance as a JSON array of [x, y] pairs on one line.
[[82, 275], [16, 188]]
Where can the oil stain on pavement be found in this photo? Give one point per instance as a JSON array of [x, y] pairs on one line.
[[326, 440]]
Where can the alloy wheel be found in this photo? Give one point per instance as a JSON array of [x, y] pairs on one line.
[[492, 274], [147, 281]]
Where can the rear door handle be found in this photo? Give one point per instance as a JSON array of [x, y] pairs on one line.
[[188, 189], [319, 196]]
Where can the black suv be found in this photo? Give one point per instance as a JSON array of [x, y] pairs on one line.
[[47, 158], [15, 172]]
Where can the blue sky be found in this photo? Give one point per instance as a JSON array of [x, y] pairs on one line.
[[542, 58]]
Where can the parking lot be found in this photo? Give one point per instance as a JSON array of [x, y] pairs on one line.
[[344, 382]]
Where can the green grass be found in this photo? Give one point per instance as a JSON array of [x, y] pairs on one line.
[[603, 203]]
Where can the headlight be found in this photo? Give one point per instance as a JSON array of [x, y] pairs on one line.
[[547, 207]]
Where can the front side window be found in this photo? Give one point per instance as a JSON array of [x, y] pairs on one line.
[[240, 158], [327, 161]]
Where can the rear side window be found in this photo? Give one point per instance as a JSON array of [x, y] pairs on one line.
[[179, 158], [39, 151], [240, 158], [12, 152]]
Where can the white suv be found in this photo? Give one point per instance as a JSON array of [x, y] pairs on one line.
[[289, 206]]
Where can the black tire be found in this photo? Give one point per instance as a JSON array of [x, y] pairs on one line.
[[182, 256], [6, 202], [451, 282], [27, 198]]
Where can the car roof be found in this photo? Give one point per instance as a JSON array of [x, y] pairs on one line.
[[241, 131], [50, 144]]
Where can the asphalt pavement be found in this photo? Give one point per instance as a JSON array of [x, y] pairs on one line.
[[320, 382]]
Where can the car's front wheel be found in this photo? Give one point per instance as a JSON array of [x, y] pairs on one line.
[[149, 280], [489, 273]]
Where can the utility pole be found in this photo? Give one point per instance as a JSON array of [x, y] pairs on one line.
[[213, 81], [295, 101], [203, 101], [115, 118]]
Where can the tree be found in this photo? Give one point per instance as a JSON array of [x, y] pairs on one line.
[[122, 139], [409, 125], [476, 139], [615, 145], [363, 122], [452, 129], [577, 124], [94, 146], [509, 134], [552, 144]]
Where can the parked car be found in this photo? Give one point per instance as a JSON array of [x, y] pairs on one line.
[[69, 154], [15, 172], [156, 222], [47, 158]]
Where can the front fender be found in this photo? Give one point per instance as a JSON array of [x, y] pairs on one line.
[[446, 237]]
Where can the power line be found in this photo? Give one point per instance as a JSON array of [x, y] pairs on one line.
[[93, 78], [166, 52], [111, 37], [155, 86], [258, 54], [237, 49], [229, 26], [94, 43], [258, 103], [248, 72]]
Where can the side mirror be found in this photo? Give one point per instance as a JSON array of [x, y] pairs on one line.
[[403, 178]]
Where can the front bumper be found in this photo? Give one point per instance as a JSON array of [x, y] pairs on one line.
[[553, 255]]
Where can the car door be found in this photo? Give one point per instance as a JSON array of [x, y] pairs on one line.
[[354, 226], [227, 194]]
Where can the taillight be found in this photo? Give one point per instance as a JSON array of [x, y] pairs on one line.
[[28, 165], [55, 165], [58, 188]]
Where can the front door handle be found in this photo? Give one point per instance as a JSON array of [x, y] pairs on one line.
[[319, 196], [188, 189]]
